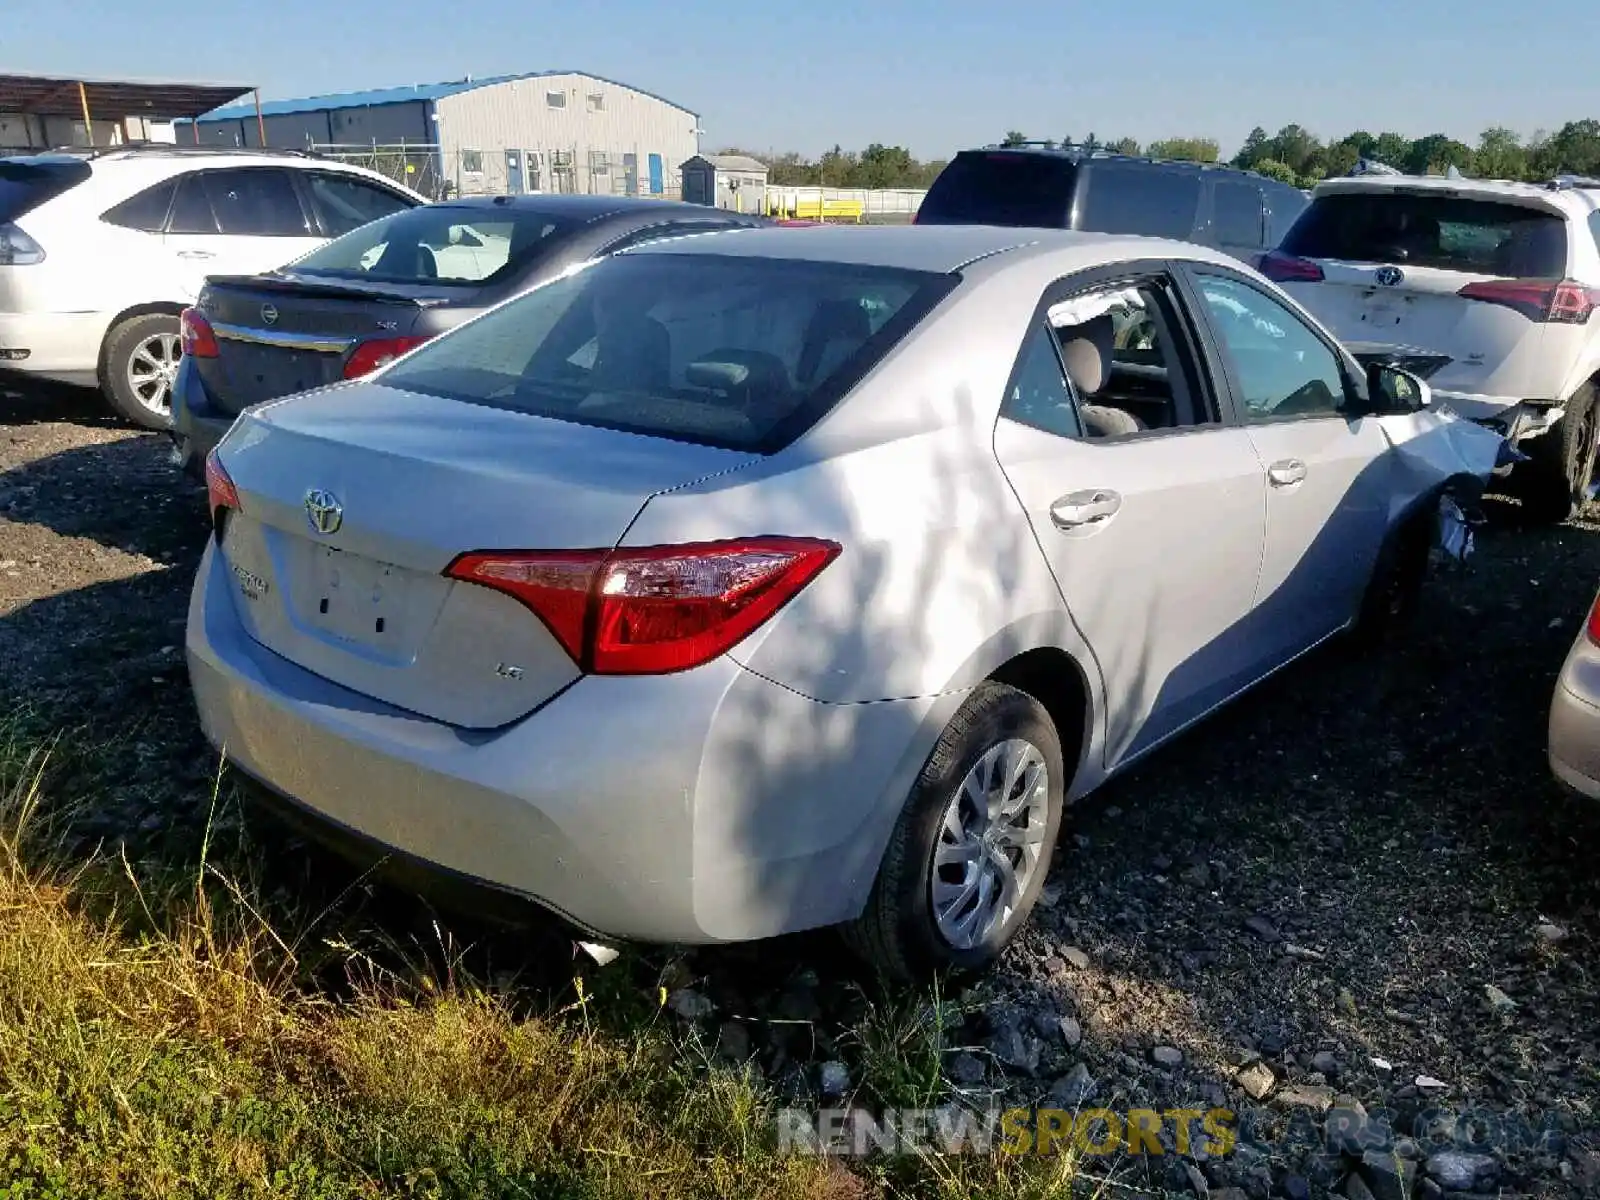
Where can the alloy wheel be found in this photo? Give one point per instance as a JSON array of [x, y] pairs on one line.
[[152, 369]]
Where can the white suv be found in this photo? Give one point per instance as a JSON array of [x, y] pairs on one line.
[[1487, 289], [101, 250]]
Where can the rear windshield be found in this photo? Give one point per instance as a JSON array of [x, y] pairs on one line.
[[439, 243], [26, 183], [1451, 233], [1000, 188], [743, 353]]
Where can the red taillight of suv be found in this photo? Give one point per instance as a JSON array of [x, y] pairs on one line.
[[220, 492], [1591, 627], [196, 334], [656, 609], [1287, 268], [1557, 302], [379, 352]]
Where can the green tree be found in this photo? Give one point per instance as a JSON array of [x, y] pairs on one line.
[[1273, 168], [1500, 154], [1295, 146], [1573, 149], [1186, 149], [1014, 137], [1253, 150], [1126, 145], [1390, 149], [1339, 159], [1435, 153]]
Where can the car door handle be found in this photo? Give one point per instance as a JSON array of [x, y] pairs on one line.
[[1092, 507], [195, 254], [1286, 472]]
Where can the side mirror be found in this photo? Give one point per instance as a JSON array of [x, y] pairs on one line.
[[1393, 390]]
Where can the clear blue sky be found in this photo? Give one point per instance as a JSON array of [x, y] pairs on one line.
[[933, 75]]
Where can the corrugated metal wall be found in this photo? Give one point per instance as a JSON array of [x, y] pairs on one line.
[[597, 123], [383, 124]]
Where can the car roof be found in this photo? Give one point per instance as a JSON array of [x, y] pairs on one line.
[[935, 248], [588, 207], [1085, 157]]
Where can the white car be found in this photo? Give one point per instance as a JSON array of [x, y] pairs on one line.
[[1487, 289], [101, 250]]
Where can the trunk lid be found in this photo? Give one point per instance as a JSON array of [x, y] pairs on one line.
[[419, 480], [277, 335]]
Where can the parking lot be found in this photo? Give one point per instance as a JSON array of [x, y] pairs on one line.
[[1330, 878]]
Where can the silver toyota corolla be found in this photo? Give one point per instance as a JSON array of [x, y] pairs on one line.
[[768, 580]]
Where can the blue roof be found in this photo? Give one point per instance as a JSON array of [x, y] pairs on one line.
[[397, 95]]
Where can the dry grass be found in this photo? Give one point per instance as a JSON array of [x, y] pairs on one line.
[[160, 1035]]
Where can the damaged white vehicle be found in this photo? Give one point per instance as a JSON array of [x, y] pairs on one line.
[[1486, 289], [844, 558]]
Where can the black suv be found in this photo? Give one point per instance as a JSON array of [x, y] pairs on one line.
[[1238, 212]]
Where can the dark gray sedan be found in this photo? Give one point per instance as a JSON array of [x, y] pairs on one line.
[[366, 298]]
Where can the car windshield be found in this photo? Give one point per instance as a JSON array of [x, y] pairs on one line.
[[26, 183], [731, 351], [1451, 233], [438, 243]]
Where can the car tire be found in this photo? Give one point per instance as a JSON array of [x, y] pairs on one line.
[[1394, 591], [1561, 461], [138, 368], [904, 931]]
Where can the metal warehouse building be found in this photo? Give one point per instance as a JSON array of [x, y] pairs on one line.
[[542, 131]]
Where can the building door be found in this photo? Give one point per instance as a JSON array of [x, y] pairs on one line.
[[514, 172], [534, 181], [657, 183], [630, 174]]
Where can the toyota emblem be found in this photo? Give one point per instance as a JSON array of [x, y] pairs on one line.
[[269, 314], [324, 511], [1390, 276]]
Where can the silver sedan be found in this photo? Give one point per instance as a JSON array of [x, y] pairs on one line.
[[768, 580]]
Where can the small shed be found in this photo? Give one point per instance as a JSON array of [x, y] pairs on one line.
[[733, 181]]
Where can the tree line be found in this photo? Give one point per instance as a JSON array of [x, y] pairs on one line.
[[1293, 154]]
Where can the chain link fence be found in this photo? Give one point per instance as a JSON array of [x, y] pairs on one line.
[[438, 175]]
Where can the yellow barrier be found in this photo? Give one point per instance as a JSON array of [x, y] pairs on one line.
[[828, 210]]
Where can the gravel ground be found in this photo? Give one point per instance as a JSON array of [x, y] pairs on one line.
[[1356, 887]]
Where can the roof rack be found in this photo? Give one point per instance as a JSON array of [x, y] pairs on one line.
[[141, 147], [1571, 181]]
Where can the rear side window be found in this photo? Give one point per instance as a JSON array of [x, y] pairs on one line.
[[1151, 201], [1450, 233], [1001, 188], [344, 203], [443, 243], [26, 183], [191, 208], [256, 202], [739, 352], [1236, 216], [146, 211]]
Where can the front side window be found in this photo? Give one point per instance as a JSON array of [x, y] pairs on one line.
[[344, 203], [1152, 201], [1279, 365], [438, 243], [741, 352]]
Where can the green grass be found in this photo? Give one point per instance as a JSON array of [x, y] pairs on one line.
[[166, 1030]]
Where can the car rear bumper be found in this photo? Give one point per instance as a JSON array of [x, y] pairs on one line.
[[707, 806], [64, 347], [1575, 742], [197, 425]]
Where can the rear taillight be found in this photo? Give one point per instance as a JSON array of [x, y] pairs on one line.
[[17, 249], [656, 609], [1286, 268], [199, 340], [220, 492], [379, 352], [1563, 302], [1591, 627]]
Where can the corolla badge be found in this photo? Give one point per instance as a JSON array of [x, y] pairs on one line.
[[269, 314], [324, 511], [1390, 276]]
